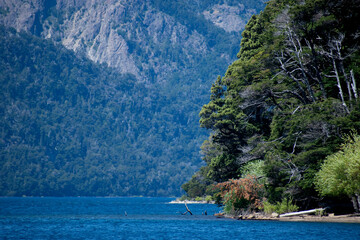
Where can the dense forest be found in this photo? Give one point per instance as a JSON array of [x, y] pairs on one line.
[[285, 117], [70, 127], [74, 127]]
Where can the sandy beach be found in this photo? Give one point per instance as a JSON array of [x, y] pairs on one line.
[[190, 202], [350, 218]]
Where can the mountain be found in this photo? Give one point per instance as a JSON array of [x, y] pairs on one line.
[[102, 98], [150, 39]]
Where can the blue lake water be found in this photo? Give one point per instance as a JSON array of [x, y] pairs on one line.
[[146, 218]]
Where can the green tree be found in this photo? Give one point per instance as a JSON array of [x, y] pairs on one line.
[[288, 99], [340, 172]]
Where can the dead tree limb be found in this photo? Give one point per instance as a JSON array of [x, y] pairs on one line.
[[187, 210], [339, 86], [353, 84], [295, 48]]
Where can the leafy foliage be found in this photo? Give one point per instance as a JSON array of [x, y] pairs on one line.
[[340, 172], [243, 193], [284, 206]]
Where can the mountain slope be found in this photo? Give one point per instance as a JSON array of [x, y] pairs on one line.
[[70, 127], [150, 39], [84, 133]]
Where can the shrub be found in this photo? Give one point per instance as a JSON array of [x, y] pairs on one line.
[[198, 199], [183, 198], [208, 198], [340, 172], [269, 208], [284, 206], [241, 194]]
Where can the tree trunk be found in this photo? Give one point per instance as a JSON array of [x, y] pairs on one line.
[[305, 79], [353, 85], [303, 97], [295, 42], [355, 201], [302, 212], [339, 86], [346, 79], [187, 210]]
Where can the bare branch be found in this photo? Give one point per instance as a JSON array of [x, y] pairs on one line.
[[353, 84], [339, 86], [295, 110]]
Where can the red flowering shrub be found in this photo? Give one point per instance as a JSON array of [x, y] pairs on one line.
[[243, 193]]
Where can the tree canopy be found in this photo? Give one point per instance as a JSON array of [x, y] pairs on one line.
[[289, 99]]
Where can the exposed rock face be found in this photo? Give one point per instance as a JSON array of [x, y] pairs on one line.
[[92, 29], [19, 14], [116, 32], [230, 18]]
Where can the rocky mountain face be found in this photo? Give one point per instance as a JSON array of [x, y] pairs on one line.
[[174, 49], [230, 18], [110, 31]]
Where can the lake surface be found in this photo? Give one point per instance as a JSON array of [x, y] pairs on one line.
[[145, 218]]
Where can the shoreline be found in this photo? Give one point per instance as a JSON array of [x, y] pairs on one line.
[[191, 202], [349, 218]]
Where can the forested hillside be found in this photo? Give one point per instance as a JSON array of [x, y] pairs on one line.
[[68, 126], [284, 106], [124, 123]]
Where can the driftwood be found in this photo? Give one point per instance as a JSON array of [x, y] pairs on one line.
[[301, 212], [219, 215], [187, 210]]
